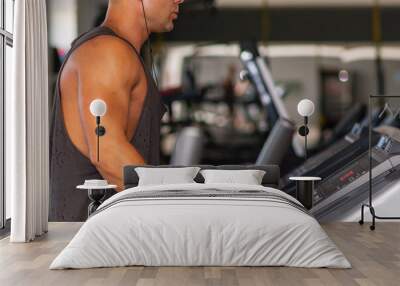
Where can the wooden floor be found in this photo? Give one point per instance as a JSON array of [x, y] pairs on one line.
[[375, 257]]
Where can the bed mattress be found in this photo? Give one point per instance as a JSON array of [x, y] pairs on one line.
[[201, 225]]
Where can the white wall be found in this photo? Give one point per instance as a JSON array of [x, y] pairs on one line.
[[62, 22], [70, 18]]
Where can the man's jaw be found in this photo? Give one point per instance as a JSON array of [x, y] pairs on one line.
[[170, 27]]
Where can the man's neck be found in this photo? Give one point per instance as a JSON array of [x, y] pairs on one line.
[[131, 27]]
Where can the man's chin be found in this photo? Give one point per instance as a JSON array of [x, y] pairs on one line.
[[164, 29], [169, 27]]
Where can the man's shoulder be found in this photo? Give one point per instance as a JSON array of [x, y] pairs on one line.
[[107, 49], [108, 53]]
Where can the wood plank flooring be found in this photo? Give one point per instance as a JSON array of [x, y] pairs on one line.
[[375, 257]]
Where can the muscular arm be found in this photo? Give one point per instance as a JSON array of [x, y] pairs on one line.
[[113, 74]]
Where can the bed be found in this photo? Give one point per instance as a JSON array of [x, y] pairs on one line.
[[198, 224]]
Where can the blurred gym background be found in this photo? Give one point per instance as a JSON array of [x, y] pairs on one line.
[[333, 52]]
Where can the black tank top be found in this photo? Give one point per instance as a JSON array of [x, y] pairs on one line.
[[69, 167]]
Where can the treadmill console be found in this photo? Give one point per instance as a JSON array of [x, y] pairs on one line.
[[338, 181], [353, 171]]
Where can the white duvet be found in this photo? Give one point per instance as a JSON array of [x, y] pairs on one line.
[[192, 231]]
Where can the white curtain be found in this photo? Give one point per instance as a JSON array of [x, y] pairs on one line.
[[27, 158]]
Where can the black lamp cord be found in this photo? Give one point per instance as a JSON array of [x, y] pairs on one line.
[[150, 50], [98, 137], [305, 137]]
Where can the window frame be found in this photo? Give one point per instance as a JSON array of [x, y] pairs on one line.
[[6, 39]]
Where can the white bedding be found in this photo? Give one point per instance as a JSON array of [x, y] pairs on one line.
[[202, 231]]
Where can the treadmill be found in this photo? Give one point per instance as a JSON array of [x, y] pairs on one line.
[[386, 202], [282, 127], [347, 188], [336, 155]]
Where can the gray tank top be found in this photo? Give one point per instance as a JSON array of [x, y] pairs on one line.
[[69, 167]]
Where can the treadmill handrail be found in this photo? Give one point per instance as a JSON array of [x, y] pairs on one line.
[[263, 82], [268, 80]]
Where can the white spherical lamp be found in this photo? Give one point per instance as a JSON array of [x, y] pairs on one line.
[[305, 108], [98, 107]]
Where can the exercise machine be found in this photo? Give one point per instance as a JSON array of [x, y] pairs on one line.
[[338, 154], [341, 194], [282, 128]]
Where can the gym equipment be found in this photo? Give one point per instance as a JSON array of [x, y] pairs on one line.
[[355, 114], [188, 147], [369, 204], [282, 128], [345, 189], [279, 125], [330, 159], [338, 154]]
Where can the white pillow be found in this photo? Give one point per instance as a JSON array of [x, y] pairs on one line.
[[162, 176], [248, 177]]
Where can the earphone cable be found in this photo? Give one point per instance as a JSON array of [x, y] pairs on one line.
[[150, 50]]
